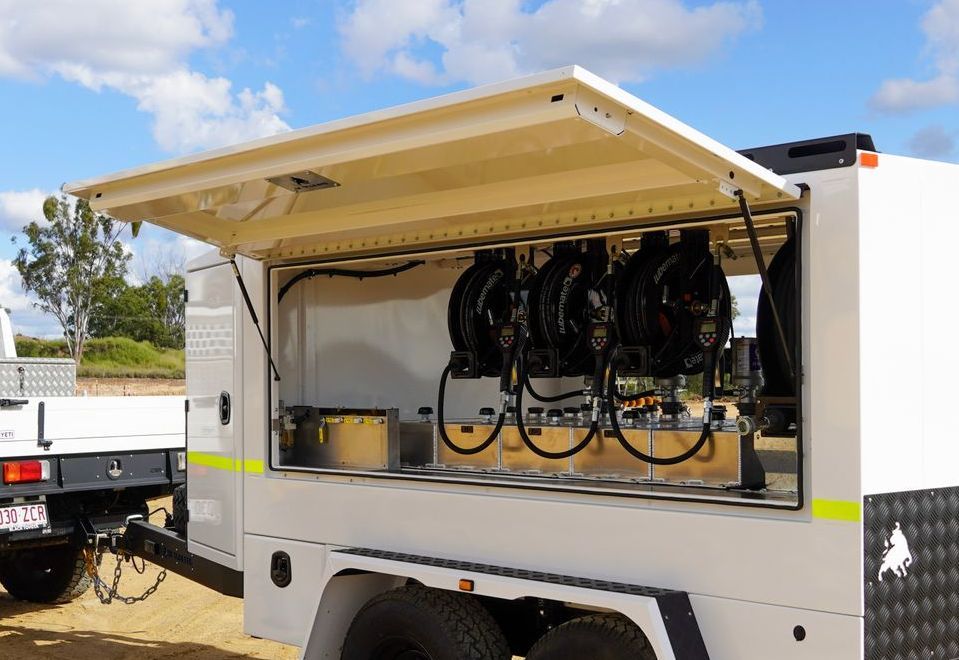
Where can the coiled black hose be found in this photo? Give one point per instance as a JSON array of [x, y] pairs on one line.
[[617, 432], [441, 422], [521, 428]]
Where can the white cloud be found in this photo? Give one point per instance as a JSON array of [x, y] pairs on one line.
[[901, 95], [933, 142], [485, 40], [26, 318], [141, 49], [20, 207], [106, 35], [191, 110]]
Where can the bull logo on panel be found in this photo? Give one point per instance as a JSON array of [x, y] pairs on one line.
[[896, 558]]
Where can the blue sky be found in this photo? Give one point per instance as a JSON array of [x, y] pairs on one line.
[[92, 87]]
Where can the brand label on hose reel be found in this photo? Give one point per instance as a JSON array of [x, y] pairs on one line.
[[495, 277], [574, 271]]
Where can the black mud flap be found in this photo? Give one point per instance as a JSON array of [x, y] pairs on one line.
[[167, 549]]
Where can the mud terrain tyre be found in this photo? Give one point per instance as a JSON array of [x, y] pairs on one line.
[[597, 637], [180, 513], [419, 623], [54, 574]]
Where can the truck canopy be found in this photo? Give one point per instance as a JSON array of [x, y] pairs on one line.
[[562, 149]]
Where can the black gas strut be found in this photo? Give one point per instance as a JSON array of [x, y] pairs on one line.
[[253, 316], [764, 276]]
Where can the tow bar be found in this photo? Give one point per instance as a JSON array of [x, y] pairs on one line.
[[162, 546]]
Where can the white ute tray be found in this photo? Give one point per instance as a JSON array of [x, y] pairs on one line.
[[90, 425]]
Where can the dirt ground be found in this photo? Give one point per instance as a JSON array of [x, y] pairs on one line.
[[129, 387], [181, 620]]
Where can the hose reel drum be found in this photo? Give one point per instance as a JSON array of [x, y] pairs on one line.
[[662, 292], [480, 303], [652, 304], [563, 299]]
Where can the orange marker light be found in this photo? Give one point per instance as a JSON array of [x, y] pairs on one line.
[[868, 159], [466, 585]]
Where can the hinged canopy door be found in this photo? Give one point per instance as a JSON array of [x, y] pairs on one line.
[[554, 151]]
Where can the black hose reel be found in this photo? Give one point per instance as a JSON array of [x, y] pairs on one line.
[[782, 278], [672, 301], [780, 382], [564, 298], [651, 309], [483, 332], [480, 304], [661, 293]]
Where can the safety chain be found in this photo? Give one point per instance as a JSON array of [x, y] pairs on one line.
[[108, 594]]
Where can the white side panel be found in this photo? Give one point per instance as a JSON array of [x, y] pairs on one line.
[[214, 484], [736, 630], [84, 425], [777, 558], [732, 630], [283, 615], [831, 343], [909, 234]]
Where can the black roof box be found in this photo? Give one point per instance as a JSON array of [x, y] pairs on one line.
[[811, 155]]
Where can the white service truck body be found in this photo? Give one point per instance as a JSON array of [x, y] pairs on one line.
[[849, 553]]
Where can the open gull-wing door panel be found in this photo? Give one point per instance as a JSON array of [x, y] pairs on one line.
[[554, 151]]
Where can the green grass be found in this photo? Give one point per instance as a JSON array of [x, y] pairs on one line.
[[111, 357]]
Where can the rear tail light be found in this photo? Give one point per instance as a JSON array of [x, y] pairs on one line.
[[25, 472]]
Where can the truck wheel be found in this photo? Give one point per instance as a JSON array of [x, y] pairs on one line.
[[54, 574], [597, 637], [419, 623], [180, 513]]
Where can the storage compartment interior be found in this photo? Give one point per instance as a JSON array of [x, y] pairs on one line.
[[616, 364]]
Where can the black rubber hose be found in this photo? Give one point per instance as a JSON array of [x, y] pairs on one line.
[[548, 399], [441, 422], [672, 460], [521, 428], [343, 272]]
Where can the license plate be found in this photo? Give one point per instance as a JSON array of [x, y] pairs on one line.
[[18, 517]]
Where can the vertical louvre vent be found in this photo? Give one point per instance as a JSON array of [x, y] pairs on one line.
[[303, 181]]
